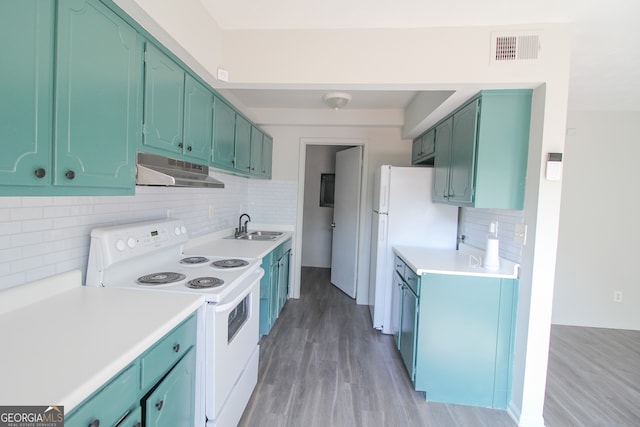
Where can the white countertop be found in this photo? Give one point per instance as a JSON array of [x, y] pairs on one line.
[[216, 245], [466, 261], [59, 350]]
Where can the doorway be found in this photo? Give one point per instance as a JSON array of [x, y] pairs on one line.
[[317, 157]]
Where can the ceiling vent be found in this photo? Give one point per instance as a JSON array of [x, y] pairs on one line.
[[514, 46]]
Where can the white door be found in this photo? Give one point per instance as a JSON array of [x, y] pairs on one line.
[[346, 210]]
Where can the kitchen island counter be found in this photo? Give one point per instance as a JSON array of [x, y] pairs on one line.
[[61, 348], [466, 261]]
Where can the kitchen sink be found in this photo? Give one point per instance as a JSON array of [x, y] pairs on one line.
[[258, 235]]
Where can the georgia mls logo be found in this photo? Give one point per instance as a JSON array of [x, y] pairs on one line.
[[31, 416]]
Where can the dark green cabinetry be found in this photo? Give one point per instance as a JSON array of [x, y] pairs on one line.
[[224, 128], [274, 285], [243, 145], [481, 151]]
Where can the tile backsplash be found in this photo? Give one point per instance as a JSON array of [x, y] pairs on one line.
[[474, 224], [42, 236]]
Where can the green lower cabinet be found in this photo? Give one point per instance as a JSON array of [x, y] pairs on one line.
[[274, 285], [171, 403], [464, 342], [158, 387]]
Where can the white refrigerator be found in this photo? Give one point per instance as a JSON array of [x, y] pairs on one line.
[[403, 214]]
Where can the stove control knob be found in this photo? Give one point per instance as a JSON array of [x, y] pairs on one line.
[[176, 231], [131, 242], [120, 245], [183, 229]]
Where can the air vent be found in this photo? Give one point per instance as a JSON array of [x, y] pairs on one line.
[[514, 47]]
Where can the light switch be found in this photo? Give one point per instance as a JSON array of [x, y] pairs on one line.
[[554, 167]]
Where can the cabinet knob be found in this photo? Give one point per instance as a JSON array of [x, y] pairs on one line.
[[189, 148], [138, 424], [94, 423], [70, 174], [180, 145], [159, 405], [176, 347], [40, 173]]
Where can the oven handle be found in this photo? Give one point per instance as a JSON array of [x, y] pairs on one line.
[[231, 304]]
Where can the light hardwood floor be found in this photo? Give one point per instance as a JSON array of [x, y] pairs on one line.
[[323, 365]]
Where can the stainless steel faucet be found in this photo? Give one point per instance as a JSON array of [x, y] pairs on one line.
[[242, 229]]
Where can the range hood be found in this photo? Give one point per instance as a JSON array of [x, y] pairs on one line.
[[168, 172]]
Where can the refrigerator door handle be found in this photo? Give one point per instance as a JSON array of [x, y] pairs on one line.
[[332, 225]]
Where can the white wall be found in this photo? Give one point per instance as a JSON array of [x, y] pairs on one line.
[[474, 224], [317, 234], [598, 242]]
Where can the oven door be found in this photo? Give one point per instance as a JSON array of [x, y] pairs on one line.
[[232, 338]]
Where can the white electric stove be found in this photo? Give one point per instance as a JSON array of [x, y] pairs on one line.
[[148, 256]]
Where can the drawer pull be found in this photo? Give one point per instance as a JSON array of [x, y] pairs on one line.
[[176, 347], [70, 174], [159, 405], [94, 423], [138, 424], [40, 173]]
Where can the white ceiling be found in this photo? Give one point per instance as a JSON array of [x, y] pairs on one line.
[[605, 61]]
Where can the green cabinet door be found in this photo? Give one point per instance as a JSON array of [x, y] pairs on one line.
[[224, 128], [283, 280], [441, 162], [171, 404], [423, 148], [97, 91], [198, 120], [463, 150], [243, 144], [26, 43], [163, 101], [256, 151], [267, 156]]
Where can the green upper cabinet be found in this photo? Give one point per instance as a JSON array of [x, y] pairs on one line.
[[224, 128], [481, 151], [177, 110], [98, 77], [267, 155], [256, 151], [243, 145], [198, 120], [26, 43], [423, 149], [442, 160]]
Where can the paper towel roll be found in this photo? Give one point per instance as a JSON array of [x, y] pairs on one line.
[[492, 255]]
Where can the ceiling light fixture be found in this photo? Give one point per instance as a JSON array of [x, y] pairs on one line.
[[336, 100]]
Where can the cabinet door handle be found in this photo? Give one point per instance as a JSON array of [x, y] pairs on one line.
[[70, 174], [176, 347], [180, 145], [189, 148], [40, 172], [138, 424], [94, 423], [159, 405]]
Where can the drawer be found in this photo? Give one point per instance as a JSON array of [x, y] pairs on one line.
[[110, 403], [399, 266], [411, 279], [161, 357]]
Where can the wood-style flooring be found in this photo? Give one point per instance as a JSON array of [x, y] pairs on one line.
[[323, 365]]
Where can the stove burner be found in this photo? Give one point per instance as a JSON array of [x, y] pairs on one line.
[[160, 278], [230, 263], [193, 260], [204, 283]]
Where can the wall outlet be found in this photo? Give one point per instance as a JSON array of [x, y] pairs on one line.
[[520, 234], [617, 296]]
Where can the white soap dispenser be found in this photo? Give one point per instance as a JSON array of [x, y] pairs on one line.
[[492, 253]]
